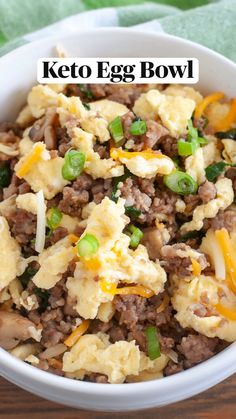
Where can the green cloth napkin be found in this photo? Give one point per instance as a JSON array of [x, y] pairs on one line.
[[209, 22]]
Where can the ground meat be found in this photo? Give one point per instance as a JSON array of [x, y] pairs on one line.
[[153, 241], [22, 224], [101, 150], [100, 189], [173, 368], [154, 135], [197, 348], [174, 264], [44, 129], [11, 126], [57, 234], [130, 190], [55, 329], [11, 140], [168, 145], [63, 140], [224, 219], [16, 186], [76, 196], [191, 201], [163, 209], [96, 378], [127, 120], [207, 191]]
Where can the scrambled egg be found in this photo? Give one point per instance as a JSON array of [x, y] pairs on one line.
[[216, 112], [149, 370], [229, 152], [189, 299], [224, 198], [11, 261], [25, 117], [108, 109], [94, 353], [174, 111], [94, 165], [195, 167], [106, 312], [149, 168], [44, 173], [40, 98], [25, 145], [27, 202], [53, 263], [184, 91], [113, 262]]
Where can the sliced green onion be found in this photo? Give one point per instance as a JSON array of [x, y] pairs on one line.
[[74, 164], [88, 246], [186, 148], [230, 135], [202, 141], [44, 296], [116, 181], [153, 345], [132, 212], [215, 169], [87, 106], [181, 183], [138, 127], [5, 176], [26, 276], [194, 234], [55, 218], [135, 235], [116, 129], [192, 131]]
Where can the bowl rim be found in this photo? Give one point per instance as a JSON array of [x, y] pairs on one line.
[[210, 370]]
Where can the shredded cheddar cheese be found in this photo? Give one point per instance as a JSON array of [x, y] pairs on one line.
[[200, 108], [148, 154], [222, 236], [225, 123], [226, 312], [31, 159], [73, 238], [196, 267], [136, 290], [77, 333]]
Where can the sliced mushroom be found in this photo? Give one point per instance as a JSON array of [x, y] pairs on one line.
[[13, 328]]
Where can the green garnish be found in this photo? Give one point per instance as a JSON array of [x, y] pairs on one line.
[[135, 235], [44, 296], [87, 106], [87, 246], [5, 176], [116, 181], [55, 218], [189, 147], [153, 345], [215, 169], [116, 129], [191, 235], [26, 276], [86, 92], [132, 212], [231, 134], [74, 164], [138, 127], [181, 183]]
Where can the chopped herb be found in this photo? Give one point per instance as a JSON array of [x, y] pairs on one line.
[[88, 246], [87, 106], [55, 218], [138, 127], [231, 134], [135, 235], [132, 212], [193, 142], [74, 164], [86, 92], [153, 345], [116, 181], [215, 169], [116, 129], [26, 276], [44, 296], [180, 182], [192, 235], [5, 176]]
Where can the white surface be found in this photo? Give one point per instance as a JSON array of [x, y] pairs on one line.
[[17, 75]]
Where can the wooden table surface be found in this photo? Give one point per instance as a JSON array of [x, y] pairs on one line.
[[216, 403]]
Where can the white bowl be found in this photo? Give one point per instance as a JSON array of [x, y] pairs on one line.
[[17, 75]]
